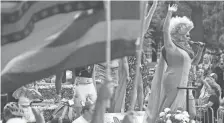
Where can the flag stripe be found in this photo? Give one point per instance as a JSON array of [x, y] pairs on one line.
[[119, 48], [37, 38], [8, 7], [27, 17], [71, 33], [39, 11], [49, 56]]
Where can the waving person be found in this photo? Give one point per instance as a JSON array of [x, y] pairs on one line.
[[173, 68]]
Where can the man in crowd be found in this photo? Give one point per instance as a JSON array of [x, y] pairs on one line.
[[219, 70], [87, 112]]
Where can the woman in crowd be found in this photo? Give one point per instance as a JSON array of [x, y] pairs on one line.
[[205, 91], [206, 64], [81, 75], [198, 83], [173, 67], [213, 102]]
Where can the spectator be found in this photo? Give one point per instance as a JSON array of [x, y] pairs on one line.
[[205, 93], [87, 112], [213, 102], [219, 70], [14, 112], [198, 83], [16, 120]]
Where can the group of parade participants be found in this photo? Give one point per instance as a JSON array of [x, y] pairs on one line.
[[177, 61]]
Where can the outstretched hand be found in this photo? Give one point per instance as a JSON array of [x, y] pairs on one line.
[[155, 1], [173, 8], [106, 91]]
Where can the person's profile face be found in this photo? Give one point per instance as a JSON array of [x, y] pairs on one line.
[[187, 36], [90, 111]]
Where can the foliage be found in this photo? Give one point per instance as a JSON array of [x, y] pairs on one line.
[[146, 78]]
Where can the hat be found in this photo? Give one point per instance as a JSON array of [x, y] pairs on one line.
[[13, 109]]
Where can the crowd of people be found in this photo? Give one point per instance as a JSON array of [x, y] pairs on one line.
[[209, 82]]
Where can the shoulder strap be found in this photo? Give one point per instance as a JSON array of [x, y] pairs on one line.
[[56, 111], [70, 113], [64, 112]]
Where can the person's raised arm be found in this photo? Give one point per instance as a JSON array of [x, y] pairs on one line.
[[150, 13], [166, 28], [197, 58], [206, 83], [105, 93]]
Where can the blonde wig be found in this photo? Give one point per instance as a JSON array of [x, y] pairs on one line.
[[180, 25]]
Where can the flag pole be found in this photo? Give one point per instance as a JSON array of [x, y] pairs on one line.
[[108, 43], [139, 52]]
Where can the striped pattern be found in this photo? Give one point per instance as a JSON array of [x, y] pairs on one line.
[[19, 18], [100, 74], [80, 43]]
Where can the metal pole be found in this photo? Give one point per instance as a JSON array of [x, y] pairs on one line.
[[108, 43], [187, 98]]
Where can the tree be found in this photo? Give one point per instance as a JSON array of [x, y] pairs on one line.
[[208, 17]]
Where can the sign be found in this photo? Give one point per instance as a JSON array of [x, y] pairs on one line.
[[118, 117]]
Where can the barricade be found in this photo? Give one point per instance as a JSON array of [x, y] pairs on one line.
[[205, 115], [220, 115]]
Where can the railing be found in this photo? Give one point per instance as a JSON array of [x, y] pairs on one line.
[[205, 115], [220, 115]]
